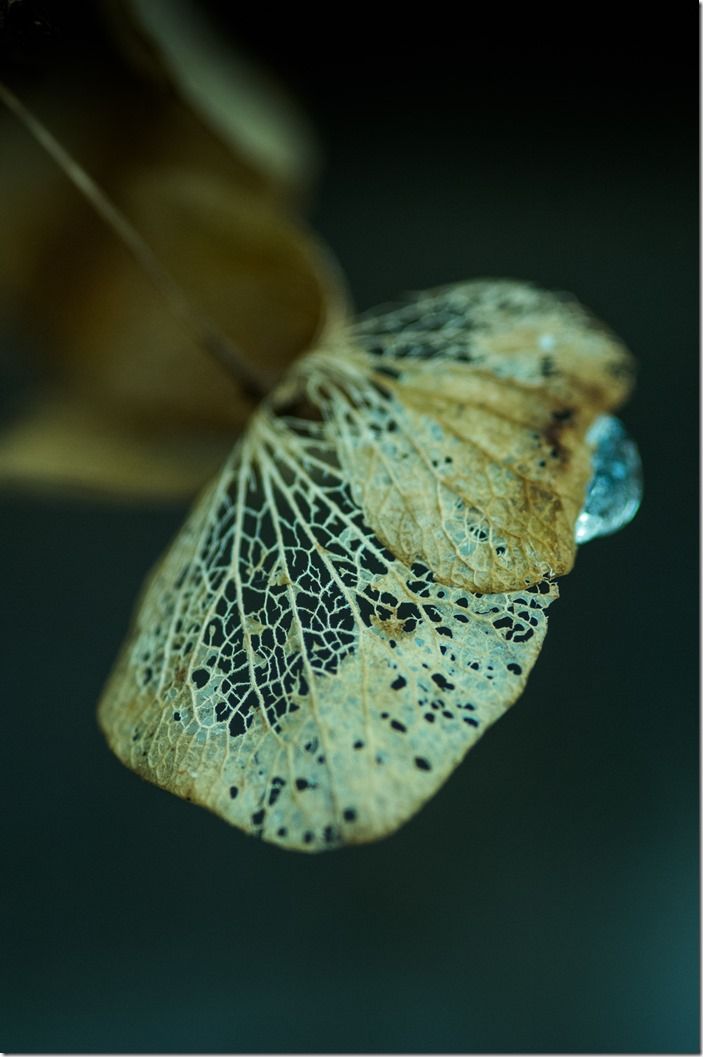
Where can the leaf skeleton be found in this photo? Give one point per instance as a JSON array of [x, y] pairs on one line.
[[362, 589]]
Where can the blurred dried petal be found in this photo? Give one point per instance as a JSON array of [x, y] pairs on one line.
[[61, 443], [264, 281], [238, 101], [211, 210], [104, 334]]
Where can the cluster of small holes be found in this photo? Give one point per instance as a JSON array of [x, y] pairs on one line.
[[450, 322]]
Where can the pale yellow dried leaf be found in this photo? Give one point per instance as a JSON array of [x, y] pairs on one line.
[[292, 670], [288, 673]]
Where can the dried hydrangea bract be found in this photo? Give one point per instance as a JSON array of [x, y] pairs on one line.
[[363, 589]]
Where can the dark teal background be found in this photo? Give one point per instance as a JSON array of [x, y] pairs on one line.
[[547, 899]]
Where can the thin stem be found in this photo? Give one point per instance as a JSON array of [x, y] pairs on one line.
[[200, 327]]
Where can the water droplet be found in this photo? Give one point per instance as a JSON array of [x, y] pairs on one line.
[[615, 490]]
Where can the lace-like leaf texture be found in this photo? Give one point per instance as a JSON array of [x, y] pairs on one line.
[[362, 590]]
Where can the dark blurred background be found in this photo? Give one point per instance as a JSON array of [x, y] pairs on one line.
[[547, 899]]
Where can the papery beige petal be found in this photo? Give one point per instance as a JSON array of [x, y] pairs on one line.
[[469, 451], [60, 443]]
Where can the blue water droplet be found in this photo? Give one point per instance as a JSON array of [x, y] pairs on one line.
[[614, 492]]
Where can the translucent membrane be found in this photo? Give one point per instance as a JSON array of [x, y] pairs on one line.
[[615, 489]]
